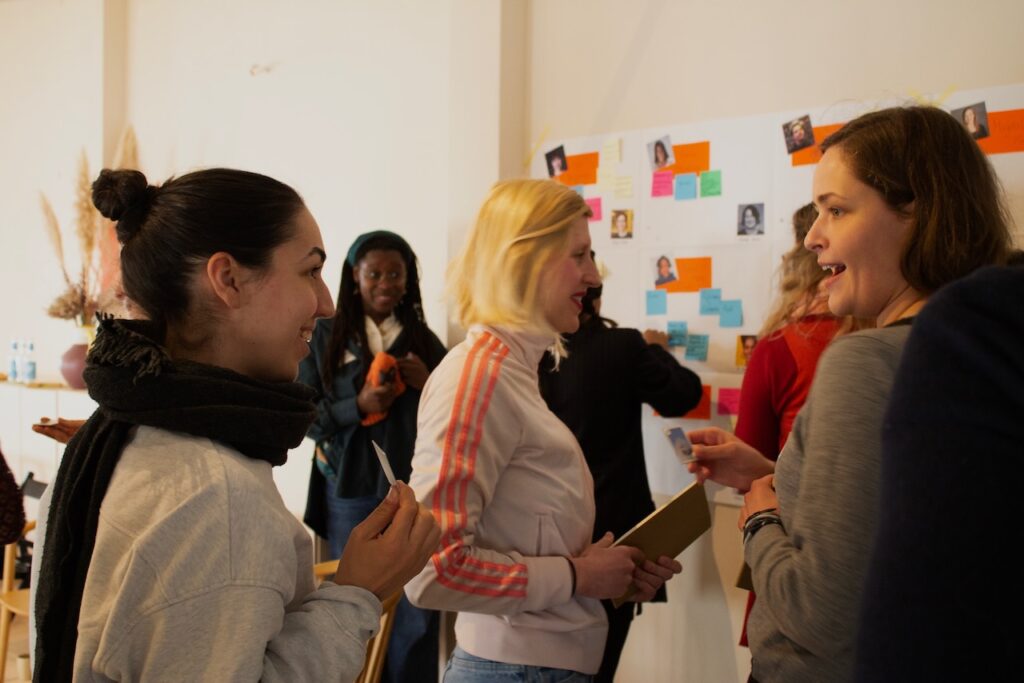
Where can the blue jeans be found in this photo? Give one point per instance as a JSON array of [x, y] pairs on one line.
[[412, 649], [465, 668]]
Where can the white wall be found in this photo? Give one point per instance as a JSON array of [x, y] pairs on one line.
[[600, 66], [51, 109]]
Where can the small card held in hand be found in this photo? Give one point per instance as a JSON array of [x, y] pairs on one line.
[[669, 529]]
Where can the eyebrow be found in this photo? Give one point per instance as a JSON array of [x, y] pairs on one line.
[[319, 252], [822, 197]]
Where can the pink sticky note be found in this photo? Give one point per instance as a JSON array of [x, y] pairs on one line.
[[728, 401], [595, 206], [661, 184]]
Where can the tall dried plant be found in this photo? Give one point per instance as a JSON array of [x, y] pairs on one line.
[[78, 301]]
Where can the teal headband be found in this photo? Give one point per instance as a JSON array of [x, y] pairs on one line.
[[353, 251]]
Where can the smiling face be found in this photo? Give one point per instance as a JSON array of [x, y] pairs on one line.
[[380, 275], [566, 278], [281, 306], [749, 219], [621, 223], [860, 239], [664, 267], [798, 133], [660, 154]]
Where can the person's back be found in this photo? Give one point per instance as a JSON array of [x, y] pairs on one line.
[[941, 602]]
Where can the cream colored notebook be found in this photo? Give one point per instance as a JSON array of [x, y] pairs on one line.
[[669, 529]]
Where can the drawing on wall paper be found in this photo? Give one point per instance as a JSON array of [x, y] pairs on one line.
[[799, 134]]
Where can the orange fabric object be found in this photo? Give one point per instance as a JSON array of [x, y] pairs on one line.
[[383, 370]]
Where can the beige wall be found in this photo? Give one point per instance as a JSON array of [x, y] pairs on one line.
[[605, 65]]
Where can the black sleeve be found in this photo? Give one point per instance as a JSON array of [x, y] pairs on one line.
[[661, 381], [942, 566]]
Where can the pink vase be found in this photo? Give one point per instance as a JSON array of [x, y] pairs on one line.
[[72, 365]]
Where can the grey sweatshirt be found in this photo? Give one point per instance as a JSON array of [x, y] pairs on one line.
[[809, 574], [200, 573]]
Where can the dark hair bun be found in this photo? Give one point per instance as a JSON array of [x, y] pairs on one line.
[[122, 196]]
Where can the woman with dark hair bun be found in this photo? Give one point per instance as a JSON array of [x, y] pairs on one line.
[[168, 551], [379, 316]]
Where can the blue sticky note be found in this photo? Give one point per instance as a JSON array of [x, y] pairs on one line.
[[686, 186], [676, 333], [578, 189], [710, 301], [731, 313], [657, 302], [697, 347]]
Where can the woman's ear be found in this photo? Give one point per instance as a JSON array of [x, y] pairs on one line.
[[226, 278]]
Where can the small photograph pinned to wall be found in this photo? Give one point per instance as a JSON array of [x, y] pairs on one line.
[[745, 344], [622, 224], [750, 220], [664, 271], [798, 133], [557, 163], [974, 118], [660, 153]]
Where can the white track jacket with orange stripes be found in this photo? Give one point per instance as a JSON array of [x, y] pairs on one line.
[[508, 484]]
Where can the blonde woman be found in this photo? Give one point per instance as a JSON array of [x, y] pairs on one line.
[[504, 476]]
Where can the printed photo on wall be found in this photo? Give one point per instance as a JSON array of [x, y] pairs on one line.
[[557, 164], [664, 271], [975, 119], [745, 344], [622, 224], [750, 219], [660, 153], [798, 133]]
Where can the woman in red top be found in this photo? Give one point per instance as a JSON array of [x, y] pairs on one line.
[[782, 365]]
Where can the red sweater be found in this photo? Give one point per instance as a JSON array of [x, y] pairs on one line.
[[777, 380]]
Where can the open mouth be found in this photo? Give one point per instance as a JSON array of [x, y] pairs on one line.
[[577, 299], [834, 268]]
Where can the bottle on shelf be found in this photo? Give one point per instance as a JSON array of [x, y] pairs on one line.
[[28, 363], [13, 361]]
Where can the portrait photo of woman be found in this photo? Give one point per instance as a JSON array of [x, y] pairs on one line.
[[974, 118], [749, 221], [557, 163], [798, 134], [622, 224], [664, 273], [660, 153]]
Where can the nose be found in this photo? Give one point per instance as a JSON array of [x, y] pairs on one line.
[[591, 278], [324, 304], [815, 239]]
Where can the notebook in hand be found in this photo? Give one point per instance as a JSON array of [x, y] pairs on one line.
[[669, 529]]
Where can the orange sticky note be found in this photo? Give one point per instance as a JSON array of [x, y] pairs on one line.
[[1006, 132], [703, 409], [582, 169], [694, 157], [812, 155], [694, 274]]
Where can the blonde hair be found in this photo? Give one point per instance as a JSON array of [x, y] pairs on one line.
[[496, 278], [799, 276]]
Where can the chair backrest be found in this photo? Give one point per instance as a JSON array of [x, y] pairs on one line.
[[30, 488], [377, 648], [10, 562]]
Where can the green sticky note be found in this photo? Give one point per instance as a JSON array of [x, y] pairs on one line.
[[711, 184]]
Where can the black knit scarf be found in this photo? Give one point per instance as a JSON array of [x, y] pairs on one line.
[[134, 382]]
